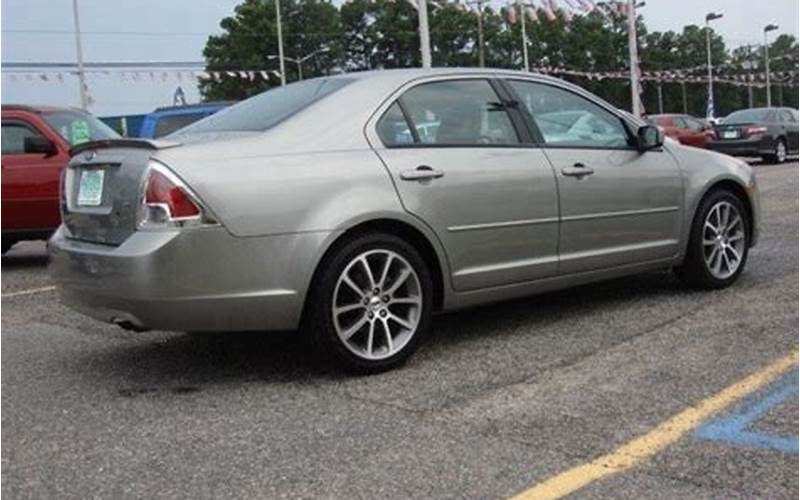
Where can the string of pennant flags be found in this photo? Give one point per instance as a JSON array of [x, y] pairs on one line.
[[684, 75]]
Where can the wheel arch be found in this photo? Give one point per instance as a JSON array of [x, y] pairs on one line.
[[738, 190], [424, 243]]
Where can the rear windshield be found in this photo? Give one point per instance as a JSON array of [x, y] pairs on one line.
[[76, 127], [267, 109], [170, 123], [747, 116]]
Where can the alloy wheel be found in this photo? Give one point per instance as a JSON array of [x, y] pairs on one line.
[[723, 240], [377, 304], [780, 151]]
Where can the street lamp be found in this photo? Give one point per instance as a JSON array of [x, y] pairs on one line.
[[711, 16], [767, 29], [301, 60]]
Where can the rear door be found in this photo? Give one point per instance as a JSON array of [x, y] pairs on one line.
[[463, 163], [618, 206], [30, 181]]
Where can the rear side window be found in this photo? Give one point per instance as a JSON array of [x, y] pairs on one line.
[[453, 113], [14, 135], [566, 119], [170, 123], [269, 108], [787, 116], [393, 128]]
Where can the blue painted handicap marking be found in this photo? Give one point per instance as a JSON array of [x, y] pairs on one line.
[[733, 428]]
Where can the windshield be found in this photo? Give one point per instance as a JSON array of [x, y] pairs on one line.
[[77, 127], [268, 108], [747, 116]]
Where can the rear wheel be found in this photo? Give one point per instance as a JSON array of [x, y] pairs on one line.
[[719, 242], [779, 154], [372, 303]]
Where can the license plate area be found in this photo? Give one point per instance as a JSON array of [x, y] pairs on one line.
[[90, 187], [730, 134]]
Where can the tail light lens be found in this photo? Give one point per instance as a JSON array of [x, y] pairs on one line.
[[167, 202], [755, 131]]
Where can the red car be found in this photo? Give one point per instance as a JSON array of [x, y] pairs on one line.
[[684, 129], [35, 149]]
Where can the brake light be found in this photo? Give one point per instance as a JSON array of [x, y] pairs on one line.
[[167, 202], [163, 192], [755, 131]]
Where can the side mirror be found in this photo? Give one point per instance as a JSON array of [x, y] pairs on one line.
[[40, 145], [649, 137]]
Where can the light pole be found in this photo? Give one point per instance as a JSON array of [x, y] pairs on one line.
[[711, 16], [479, 3], [767, 29], [424, 33], [633, 54], [79, 50], [301, 60], [280, 41], [524, 38], [749, 65]]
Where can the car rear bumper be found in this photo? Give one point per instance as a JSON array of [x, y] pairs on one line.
[[758, 146], [191, 280]]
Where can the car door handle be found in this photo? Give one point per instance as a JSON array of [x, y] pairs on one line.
[[421, 173], [578, 170]]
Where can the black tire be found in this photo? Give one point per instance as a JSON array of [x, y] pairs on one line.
[[695, 271], [7, 244], [776, 157], [318, 325]]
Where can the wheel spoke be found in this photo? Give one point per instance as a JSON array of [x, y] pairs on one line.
[[736, 237], [352, 285], [406, 300], [711, 226], [733, 224], [718, 265], [709, 242], [388, 334], [338, 311], [735, 253], [404, 274], [355, 328], [385, 273], [400, 321], [370, 337], [712, 256], [366, 267]]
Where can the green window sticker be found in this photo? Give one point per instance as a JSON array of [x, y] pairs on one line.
[[79, 132]]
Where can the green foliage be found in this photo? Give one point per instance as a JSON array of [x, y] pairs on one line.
[[378, 34]]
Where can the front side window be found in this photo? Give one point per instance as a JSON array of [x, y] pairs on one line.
[[267, 109], [14, 135], [77, 127], [569, 120], [457, 113]]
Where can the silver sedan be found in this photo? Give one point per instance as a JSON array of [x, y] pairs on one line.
[[354, 207]]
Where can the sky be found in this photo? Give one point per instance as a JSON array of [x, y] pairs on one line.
[[176, 30]]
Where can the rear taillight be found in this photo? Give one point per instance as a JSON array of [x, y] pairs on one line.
[[750, 131], [167, 202]]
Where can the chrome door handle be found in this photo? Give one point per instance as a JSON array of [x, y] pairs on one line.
[[421, 173], [578, 170]]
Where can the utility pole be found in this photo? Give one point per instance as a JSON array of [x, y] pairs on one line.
[[710, 105], [79, 50], [767, 29], [479, 3], [685, 104], [281, 62], [660, 99], [634, 58], [749, 65], [424, 33], [524, 38]]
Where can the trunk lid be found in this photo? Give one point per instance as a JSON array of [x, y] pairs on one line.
[[732, 131], [102, 188]]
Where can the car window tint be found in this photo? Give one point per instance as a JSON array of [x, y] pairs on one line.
[[567, 119], [170, 123], [747, 116], [693, 124], [679, 122], [393, 127], [269, 108], [13, 137], [459, 112]]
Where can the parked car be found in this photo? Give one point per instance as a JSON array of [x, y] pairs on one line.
[[306, 206], [166, 120], [771, 133], [685, 129], [35, 149]]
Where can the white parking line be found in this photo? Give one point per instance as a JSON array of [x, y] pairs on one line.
[[29, 292]]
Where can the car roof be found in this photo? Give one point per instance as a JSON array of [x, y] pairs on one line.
[[405, 74]]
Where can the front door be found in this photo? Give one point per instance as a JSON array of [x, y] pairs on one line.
[[618, 206], [462, 164]]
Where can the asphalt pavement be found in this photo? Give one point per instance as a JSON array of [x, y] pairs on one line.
[[500, 398]]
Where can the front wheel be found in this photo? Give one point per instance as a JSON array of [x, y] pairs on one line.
[[372, 303], [719, 242]]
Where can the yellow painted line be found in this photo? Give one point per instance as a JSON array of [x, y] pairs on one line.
[[634, 452], [29, 292]]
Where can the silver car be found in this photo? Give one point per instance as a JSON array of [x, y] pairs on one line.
[[354, 207]]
